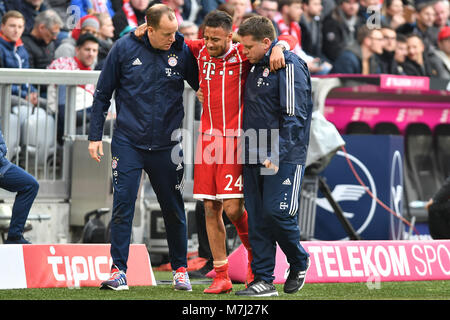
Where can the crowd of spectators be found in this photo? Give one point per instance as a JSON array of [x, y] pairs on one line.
[[406, 37]]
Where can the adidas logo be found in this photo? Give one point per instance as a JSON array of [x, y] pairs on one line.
[[137, 62], [180, 166], [287, 182]]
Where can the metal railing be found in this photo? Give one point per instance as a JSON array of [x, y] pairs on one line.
[[31, 131]]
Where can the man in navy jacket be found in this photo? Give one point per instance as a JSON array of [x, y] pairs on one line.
[[13, 53], [277, 111], [147, 76]]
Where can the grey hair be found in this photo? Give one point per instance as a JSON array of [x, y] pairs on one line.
[[48, 18], [187, 24]]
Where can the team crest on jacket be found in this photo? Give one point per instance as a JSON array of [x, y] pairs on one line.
[[114, 162], [266, 72], [172, 60]]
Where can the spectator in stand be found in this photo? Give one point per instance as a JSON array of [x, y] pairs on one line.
[[29, 8], [340, 28], [388, 64], [401, 52], [13, 53], [417, 62], [311, 28], [175, 5], [117, 5], [441, 57], [62, 9], [367, 8], [361, 57], [86, 50], [392, 13], [207, 6], [105, 37], [93, 6], [87, 24], [424, 25], [268, 9], [241, 7], [328, 7], [131, 15], [287, 20], [189, 30], [442, 10], [60, 6], [40, 43]]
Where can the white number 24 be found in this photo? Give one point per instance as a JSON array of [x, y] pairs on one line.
[[238, 183]]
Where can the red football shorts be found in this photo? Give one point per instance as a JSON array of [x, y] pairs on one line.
[[218, 168]]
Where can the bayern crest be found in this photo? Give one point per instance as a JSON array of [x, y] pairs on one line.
[[114, 162], [173, 60]]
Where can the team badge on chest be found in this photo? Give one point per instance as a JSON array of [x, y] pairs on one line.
[[172, 60], [266, 72], [232, 59], [114, 162]]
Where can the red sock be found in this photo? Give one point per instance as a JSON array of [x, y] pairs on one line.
[[242, 229]]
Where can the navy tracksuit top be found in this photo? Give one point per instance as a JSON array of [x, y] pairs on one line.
[[282, 101], [148, 85]]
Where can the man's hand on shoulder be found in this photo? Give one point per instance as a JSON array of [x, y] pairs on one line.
[[140, 30], [277, 58]]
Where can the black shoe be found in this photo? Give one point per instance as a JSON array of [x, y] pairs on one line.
[[259, 288], [203, 271], [17, 240], [296, 280]]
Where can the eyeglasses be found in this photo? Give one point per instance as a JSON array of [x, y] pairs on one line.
[[52, 33], [390, 38], [378, 39]]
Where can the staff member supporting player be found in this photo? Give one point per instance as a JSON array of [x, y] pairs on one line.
[[279, 103], [147, 76]]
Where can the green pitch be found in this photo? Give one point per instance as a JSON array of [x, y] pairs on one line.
[[417, 290]]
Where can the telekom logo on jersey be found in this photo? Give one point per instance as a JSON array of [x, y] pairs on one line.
[[207, 66]]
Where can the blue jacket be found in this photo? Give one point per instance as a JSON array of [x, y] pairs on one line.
[[4, 162], [148, 85], [12, 56], [281, 101], [84, 5], [350, 61]]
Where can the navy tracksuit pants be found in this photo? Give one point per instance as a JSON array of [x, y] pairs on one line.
[[15, 179], [166, 178], [272, 203]]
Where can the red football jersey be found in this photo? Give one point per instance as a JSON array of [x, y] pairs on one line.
[[222, 80]]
